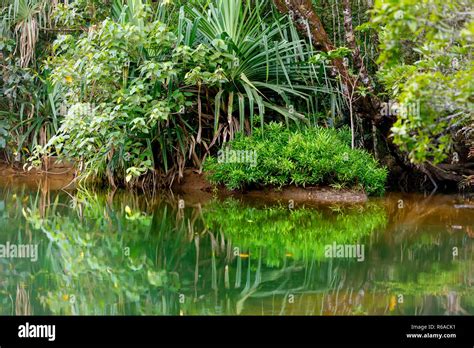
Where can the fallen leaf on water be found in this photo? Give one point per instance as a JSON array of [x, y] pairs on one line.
[[393, 303]]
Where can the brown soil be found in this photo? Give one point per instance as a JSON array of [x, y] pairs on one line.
[[195, 184]]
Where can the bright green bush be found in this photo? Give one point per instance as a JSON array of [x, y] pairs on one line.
[[312, 156]]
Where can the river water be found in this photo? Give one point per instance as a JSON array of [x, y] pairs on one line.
[[91, 253]]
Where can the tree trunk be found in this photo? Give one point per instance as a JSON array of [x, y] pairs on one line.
[[351, 42], [308, 22], [368, 107]]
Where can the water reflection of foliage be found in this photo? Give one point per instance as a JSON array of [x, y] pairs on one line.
[[436, 281], [183, 261], [449, 289], [299, 234], [84, 266], [173, 251]]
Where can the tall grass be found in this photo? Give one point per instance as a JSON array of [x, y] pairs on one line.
[[28, 103]]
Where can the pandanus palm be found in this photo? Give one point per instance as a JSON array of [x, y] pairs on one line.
[[26, 17], [269, 68]]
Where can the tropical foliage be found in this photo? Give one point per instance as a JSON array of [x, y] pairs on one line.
[[312, 156], [142, 97], [135, 91], [428, 66]]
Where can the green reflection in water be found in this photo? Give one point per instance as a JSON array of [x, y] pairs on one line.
[[301, 234], [126, 254]]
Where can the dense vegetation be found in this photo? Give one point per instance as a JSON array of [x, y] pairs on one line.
[[134, 91], [427, 67], [309, 157]]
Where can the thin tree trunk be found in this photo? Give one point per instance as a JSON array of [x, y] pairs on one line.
[[351, 42], [307, 21]]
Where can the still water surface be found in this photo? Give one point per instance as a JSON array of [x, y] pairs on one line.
[[128, 254]]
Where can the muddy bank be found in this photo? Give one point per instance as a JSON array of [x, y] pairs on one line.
[[195, 185], [57, 176]]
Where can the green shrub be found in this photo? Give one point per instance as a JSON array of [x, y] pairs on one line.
[[312, 156]]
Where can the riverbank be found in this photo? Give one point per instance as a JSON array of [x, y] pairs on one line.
[[194, 182], [192, 186], [58, 176]]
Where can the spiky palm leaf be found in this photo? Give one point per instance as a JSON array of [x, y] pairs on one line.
[[271, 67]]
